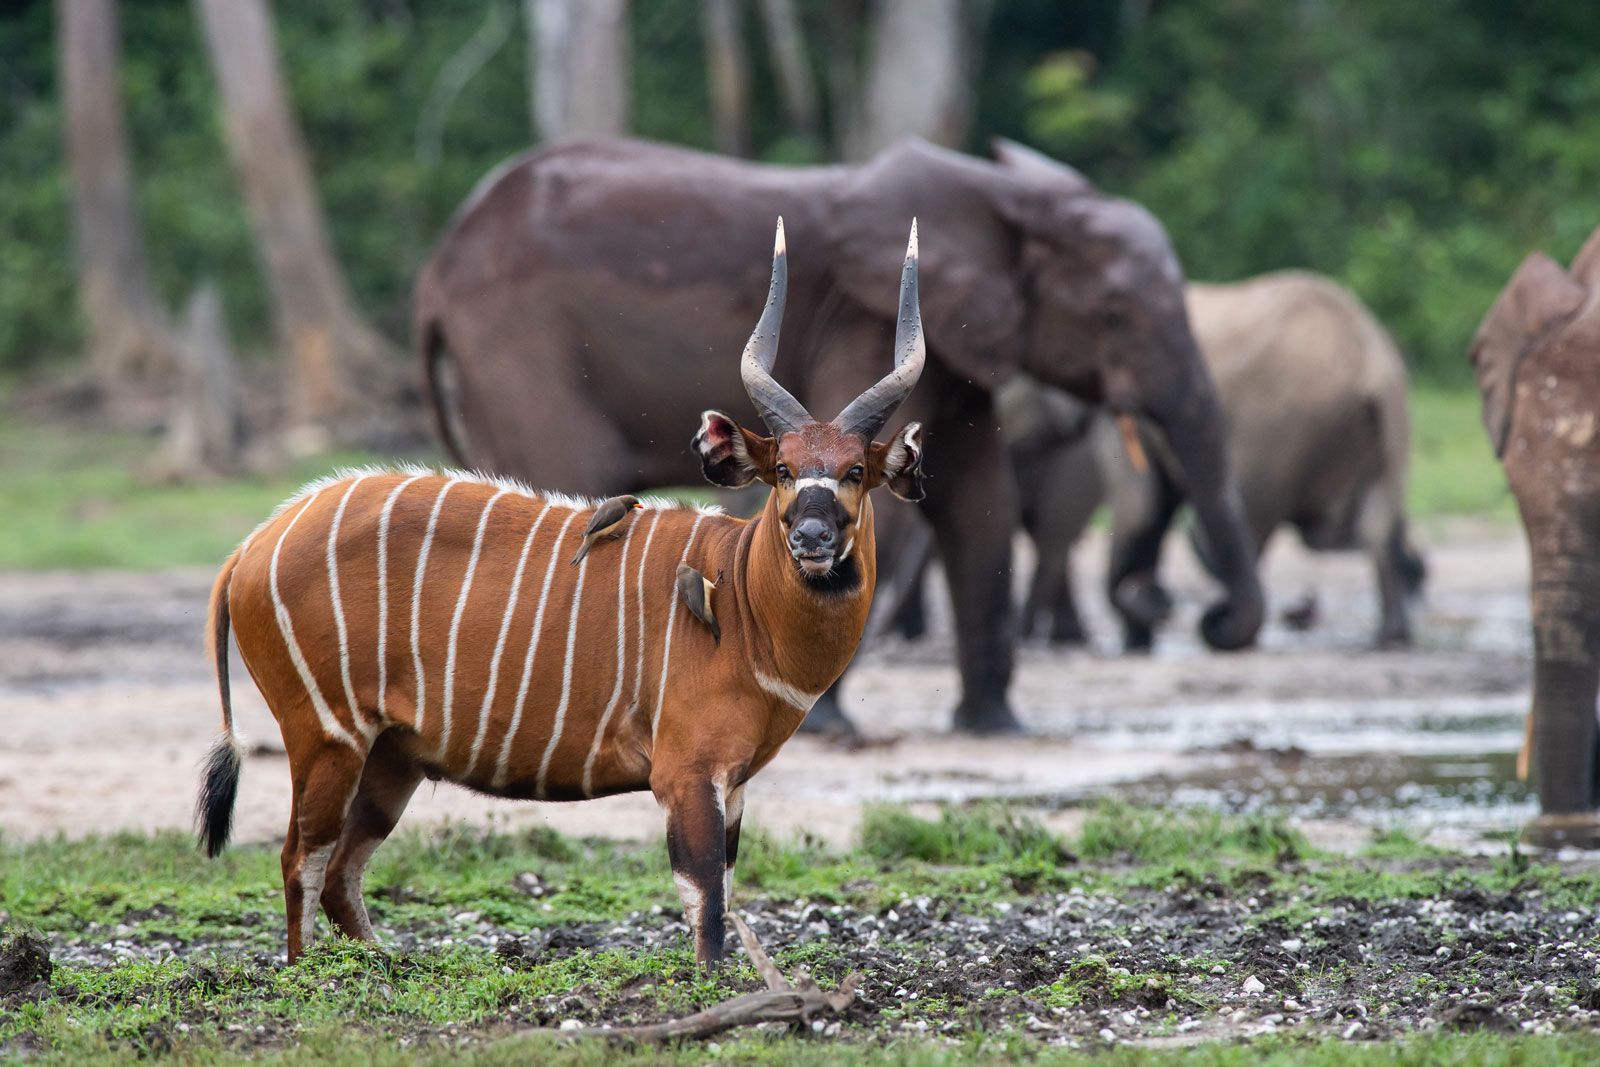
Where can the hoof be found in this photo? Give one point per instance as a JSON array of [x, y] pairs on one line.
[[1578, 829], [986, 718]]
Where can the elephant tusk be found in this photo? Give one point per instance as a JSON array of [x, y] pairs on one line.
[[1130, 441], [1526, 752]]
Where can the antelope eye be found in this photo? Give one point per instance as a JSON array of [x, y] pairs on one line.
[[783, 473], [855, 474]]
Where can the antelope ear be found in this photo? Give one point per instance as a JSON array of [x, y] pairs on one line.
[[1538, 298], [730, 455], [899, 462]]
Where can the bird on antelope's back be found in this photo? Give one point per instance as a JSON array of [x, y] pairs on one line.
[[694, 589], [607, 522]]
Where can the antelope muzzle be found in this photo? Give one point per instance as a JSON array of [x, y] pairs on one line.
[[817, 522]]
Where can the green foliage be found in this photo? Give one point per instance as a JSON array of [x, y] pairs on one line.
[[1453, 469], [1414, 151], [978, 833], [1117, 830]]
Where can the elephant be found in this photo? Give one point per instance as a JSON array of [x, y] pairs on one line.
[[1537, 361], [1314, 391], [584, 297]]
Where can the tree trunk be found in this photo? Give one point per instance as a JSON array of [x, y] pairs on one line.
[[203, 437], [579, 67], [129, 336], [919, 80], [844, 76], [728, 72], [796, 87], [342, 372]]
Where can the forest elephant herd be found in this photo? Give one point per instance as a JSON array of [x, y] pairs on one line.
[[575, 313], [582, 315]]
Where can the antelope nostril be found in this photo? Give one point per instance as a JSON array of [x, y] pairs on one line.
[[811, 533]]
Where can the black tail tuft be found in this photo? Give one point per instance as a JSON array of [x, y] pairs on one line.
[[219, 787]]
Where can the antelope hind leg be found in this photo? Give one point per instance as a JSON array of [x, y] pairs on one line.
[[324, 781], [387, 782]]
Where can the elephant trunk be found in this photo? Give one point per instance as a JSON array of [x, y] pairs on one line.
[[1197, 435], [1566, 640]]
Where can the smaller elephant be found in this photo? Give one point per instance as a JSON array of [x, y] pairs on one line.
[[1537, 361], [1314, 392]]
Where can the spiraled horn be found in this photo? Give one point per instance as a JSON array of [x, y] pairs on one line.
[[866, 414], [778, 409]]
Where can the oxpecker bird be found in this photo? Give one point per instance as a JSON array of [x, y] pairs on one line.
[[607, 522], [694, 589]]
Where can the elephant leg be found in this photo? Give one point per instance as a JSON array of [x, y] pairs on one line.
[[1382, 533], [972, 507], [1565, 601]]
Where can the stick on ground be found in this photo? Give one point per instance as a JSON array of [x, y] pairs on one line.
[[783, 1000]]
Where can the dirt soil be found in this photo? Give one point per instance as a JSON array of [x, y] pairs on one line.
[[108, 703]]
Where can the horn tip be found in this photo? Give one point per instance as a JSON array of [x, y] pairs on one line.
[[779, 245], [911, 247]]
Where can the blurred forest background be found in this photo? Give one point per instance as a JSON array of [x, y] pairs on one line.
[[1415, 151]]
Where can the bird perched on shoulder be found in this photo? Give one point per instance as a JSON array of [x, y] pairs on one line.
[[694, 589], [606, 522]]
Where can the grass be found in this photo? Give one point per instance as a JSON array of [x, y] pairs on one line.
[[75, 498], [1453, 469], [349, 1003]]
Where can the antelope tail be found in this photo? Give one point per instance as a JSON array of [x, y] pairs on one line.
[[219, 780]]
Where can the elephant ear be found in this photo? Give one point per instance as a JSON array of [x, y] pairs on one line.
[[970, 218], [1539, 297], [1038, 167], [1586, 265]]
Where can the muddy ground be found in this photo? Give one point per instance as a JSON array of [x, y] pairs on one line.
[[108, 702]]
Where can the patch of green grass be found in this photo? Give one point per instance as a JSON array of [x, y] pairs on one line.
[[1396, 843], [1453, 469], [350, 1003], [966, 834], [1117, 830], [74, 499]]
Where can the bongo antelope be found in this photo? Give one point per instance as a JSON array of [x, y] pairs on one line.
[[404, 624]]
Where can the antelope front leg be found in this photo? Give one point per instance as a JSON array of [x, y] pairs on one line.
[[697, 849]]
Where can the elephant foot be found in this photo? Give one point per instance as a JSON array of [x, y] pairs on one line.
[[1225, 629], [1393, 640], [1067, 629], [825, 719], [987, 716], [1137, 638], [1578, 829]]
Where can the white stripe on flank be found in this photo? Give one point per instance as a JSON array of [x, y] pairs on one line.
[[644, 556], [330, 725], [416, 605], [368, 730], [383, 598], [666, 645], [566, 681], [455, 627], [533, 646], [622, 647], [785, 692], [500, 646]]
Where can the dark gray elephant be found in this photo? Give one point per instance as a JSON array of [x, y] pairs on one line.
[[1537, 358], [1315, 394], [585, 297]]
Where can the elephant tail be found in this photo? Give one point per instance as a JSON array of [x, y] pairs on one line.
[[441, 378]]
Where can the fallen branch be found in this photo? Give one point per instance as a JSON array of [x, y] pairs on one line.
[[784, 1000]]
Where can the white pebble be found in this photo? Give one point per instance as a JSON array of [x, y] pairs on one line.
[[1253, 985]]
